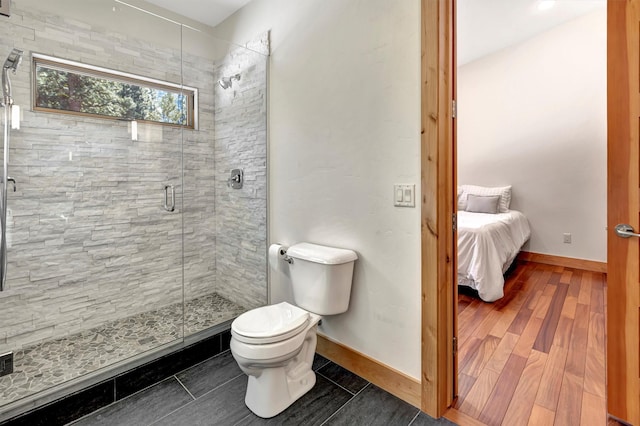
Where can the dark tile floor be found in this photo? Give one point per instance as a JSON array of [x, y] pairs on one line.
[[212, 393]]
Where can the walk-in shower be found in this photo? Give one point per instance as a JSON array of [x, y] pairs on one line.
[[10, 65], [99, 275]]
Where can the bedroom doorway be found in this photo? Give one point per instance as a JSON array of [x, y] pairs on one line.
[[524, 100], [440, 184]]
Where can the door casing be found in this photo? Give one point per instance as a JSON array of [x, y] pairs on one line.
[[437, 206], [438, 188]]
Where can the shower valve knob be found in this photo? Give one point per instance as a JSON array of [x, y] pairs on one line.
[[236, 179]]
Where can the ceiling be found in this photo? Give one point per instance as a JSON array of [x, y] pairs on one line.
[[483, 26], [486, 26], [209, 12]]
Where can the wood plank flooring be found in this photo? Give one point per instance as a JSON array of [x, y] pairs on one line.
[[536, 356]]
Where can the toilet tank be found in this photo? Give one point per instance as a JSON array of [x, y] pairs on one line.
[[321, 277]]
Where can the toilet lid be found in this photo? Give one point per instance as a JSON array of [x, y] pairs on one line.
[[270, 321]]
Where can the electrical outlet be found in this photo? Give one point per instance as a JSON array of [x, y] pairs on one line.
[[566, 238]]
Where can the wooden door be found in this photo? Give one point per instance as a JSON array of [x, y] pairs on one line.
[[623, 303]]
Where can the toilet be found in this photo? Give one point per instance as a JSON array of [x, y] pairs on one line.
[[274, 345]]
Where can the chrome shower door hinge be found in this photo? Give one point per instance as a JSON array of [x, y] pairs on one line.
[[6, 364], [4, 7]]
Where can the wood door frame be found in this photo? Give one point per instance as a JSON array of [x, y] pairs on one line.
[[437, 206]]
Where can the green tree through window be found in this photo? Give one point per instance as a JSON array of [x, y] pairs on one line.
[[64, 87]]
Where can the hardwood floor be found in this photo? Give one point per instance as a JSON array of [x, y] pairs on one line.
[[536, 356]]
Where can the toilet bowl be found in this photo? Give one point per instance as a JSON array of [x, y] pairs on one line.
[[274, 345]]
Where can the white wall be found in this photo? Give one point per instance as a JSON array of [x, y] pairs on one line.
[[534, 116], [344, 106]]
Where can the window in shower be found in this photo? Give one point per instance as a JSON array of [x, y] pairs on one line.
[[75, 88]]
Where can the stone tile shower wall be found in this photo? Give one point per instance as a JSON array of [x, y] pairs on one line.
[[89, 240], [241, 142]]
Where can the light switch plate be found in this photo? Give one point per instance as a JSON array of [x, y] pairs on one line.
[[404, 195]]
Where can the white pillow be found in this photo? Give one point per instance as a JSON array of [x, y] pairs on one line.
[[460, 192], [503, 191]]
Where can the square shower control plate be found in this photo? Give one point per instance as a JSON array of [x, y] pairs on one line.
[[237, 179]]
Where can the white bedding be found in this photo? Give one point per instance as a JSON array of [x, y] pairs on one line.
[[487, 245]]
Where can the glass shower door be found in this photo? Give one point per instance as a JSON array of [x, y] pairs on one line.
[[225, 220], [94, 228]]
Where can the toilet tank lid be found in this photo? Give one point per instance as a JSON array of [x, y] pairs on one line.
[[321, 254]]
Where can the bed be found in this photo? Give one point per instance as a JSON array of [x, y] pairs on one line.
[[487, 245]]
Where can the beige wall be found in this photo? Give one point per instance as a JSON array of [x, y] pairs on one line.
[[534, 116], [344, 106]]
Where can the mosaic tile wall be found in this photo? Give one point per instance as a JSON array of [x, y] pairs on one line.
[[89, 241]]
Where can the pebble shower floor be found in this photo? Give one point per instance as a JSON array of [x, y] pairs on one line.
[[53, 362]]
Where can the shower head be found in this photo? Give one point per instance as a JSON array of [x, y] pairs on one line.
[[12, 62], [226, 82]]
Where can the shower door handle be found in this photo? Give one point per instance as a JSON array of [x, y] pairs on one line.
[[169, 206]]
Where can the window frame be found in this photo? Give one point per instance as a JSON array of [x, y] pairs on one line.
[[66, 65]]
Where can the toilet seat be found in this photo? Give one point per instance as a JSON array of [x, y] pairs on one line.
[[265, 353], [270, 324]]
